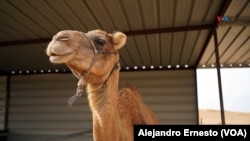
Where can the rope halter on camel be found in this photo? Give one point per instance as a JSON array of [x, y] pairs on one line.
[[81, 83]]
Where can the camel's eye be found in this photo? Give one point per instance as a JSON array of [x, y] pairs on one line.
[[100, 42]]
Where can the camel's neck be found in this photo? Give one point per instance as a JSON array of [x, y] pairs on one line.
[[103, 101], [102, 97]]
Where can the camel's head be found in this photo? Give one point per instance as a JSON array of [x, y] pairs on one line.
[[79, 50]]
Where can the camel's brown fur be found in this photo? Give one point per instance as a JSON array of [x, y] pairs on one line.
[[114, 111]]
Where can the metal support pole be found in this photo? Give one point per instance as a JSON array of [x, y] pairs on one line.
[[7, 98], [216, 46]]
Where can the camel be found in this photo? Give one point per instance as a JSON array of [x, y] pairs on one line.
[[93, 58]]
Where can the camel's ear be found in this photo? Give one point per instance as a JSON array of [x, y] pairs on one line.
[[119, 40]]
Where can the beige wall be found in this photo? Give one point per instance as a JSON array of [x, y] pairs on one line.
[[39, 111]]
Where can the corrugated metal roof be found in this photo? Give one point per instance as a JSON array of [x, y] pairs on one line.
[[161, 33], [233, 38]]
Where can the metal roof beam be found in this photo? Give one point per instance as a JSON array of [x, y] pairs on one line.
[[235, 23], [129, 33], [168, 30], [25, 42]]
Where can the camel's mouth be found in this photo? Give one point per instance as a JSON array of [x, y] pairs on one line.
[[60, 58], [60, 55]]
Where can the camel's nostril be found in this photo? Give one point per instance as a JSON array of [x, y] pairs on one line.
[[64, 37]]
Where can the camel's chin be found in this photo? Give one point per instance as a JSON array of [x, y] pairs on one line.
[[60, 59]]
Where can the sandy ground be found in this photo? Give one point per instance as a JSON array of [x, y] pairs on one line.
[[213, 117]]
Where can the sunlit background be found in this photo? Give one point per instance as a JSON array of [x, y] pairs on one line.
[[236, 95]]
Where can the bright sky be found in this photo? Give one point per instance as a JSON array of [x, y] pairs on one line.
[[235, 86]]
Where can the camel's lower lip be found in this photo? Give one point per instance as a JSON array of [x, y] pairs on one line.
[[59, 58], [54, 58]]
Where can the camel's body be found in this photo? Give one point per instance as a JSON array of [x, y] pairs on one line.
[[114, 111]]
